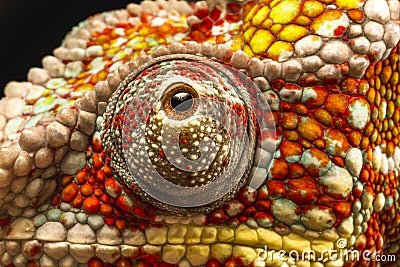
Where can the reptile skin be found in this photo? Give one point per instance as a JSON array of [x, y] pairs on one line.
[[210, 134]]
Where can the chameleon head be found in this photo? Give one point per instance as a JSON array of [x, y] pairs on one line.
[[212, 134]]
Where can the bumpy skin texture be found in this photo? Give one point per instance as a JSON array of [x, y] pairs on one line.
[[328, 70]]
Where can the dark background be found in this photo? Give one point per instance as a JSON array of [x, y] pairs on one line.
[[31, 29]]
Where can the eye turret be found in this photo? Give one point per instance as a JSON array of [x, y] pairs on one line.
[[182, 132]]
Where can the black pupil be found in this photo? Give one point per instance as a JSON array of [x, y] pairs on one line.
[[182, 101]]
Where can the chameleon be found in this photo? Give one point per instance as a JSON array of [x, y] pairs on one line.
[[215, 133]]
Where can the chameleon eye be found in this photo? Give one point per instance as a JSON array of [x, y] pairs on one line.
[[179, 98], [182, 130]]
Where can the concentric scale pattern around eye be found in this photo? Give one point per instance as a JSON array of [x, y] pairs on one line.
[[163, 151], [211, 134]]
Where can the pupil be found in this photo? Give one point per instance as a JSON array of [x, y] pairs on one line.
[[182, 101]]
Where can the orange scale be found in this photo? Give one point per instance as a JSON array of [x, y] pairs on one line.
[[120, 224], [263, 205], [342, 209], [91, 205], [302, 191], [81, 177], [279, 169], [372, 176], [288, 120], [277, 84], [100, 176], [81, 85], [336, 104], [220, 39], [105, 198], [276, 189], [55, 200], [396, 221], [318, 98], [69, 193], [243, 219], [357, 192], [296, 170], [387, 191], [98, 192], [354, 138], [114, 34], [377, 188], [349, 85], [140, 212], [262, 193], [290, 149], [395, 141], [320, 144], [87, 190], [91, 180], [232, 18], [101, 40], [390, 149], [233, 7], [305, 144], [204, 26], [101, 76], [108, 170], [379, 242], [218, 216], [246, 197], [310, 129], [371, 242], [323, 116], [201, 13], [338, 161], [300, 109], [71, 81], [336, 143], [106, 209], [84, 75], [109, 221], [113, 187], [97, 161], [198, 36], [77, 202], [215, 14], [292, 136], [250, 211], [125, 203], [356, 15]]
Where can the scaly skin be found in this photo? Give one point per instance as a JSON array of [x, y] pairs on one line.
[[329, 70]]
